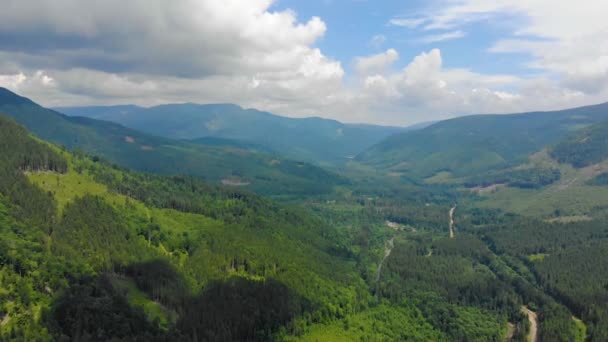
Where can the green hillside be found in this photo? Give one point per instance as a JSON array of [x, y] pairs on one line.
[[471, 145], [236, 165], [587, 147], [92, 251], [564, 181], [310, 139], [81, 259], [570, 197]]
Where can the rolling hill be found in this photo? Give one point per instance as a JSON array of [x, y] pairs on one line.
[[93, 251], [228, 162], [310, 139], [471, 145]]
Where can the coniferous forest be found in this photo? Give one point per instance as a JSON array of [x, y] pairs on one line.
[[91, 250]]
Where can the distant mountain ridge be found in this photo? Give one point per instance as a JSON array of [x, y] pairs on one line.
[[252, 168], [311, 139], [469, 145]]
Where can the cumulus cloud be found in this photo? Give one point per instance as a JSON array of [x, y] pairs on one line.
[[189, 38], [376, 63], [93, 49], [75, 52], [564, 38]]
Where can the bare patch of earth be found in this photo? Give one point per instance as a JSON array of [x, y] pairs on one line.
[[234, 182], [480, 190]]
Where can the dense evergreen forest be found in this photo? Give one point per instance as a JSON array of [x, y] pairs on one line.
[[81, 261], [528, 178], [584, 148], [93, 251]]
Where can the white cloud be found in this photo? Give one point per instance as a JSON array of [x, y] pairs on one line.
[[76, 52], [377, 40], [564, 39], [410, 23], [98, 53], [376, 63], [426, 90], [189, 37], [443, 36]]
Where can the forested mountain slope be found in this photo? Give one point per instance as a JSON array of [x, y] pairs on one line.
[[471, 145], [237, 165], [310, 139], [92, 251], [565, 181], [587, 147]]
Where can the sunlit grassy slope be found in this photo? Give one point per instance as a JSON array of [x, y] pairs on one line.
[[571, 196], [472, 145]]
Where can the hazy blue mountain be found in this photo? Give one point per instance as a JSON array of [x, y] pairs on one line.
[[312, 139], [228, 162], [468, 145]]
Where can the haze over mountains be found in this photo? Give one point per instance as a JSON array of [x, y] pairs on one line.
[[246, 167], [235, 147], [310, 139]]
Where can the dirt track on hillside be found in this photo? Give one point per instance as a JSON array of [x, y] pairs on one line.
[[452, 222], [533, 318]]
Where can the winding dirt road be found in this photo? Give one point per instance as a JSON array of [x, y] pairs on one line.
[[388, 248], [452, 222], [533, 319]]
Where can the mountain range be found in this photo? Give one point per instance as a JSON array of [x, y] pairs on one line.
[[232, 163], [309, 139], [471, 145], [421, 237]]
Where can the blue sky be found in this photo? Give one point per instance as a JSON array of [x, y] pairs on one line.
[[381, 61], [352, 26]]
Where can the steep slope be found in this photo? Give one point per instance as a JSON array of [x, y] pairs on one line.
[[474, 144], [587, 147], [311, 139], [234, 165], [563, 182], [94, 252]]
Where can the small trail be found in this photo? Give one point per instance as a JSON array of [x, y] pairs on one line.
[[533, 319], [510, 331], [388, 248], [5, 320], [452, 222]]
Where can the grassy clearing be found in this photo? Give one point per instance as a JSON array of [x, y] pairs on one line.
[[382, 323], [581, 330], [66, 187], [442, 177], [577, 201], [153, 310], [568, 200], [570, 219], [537, 257]]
